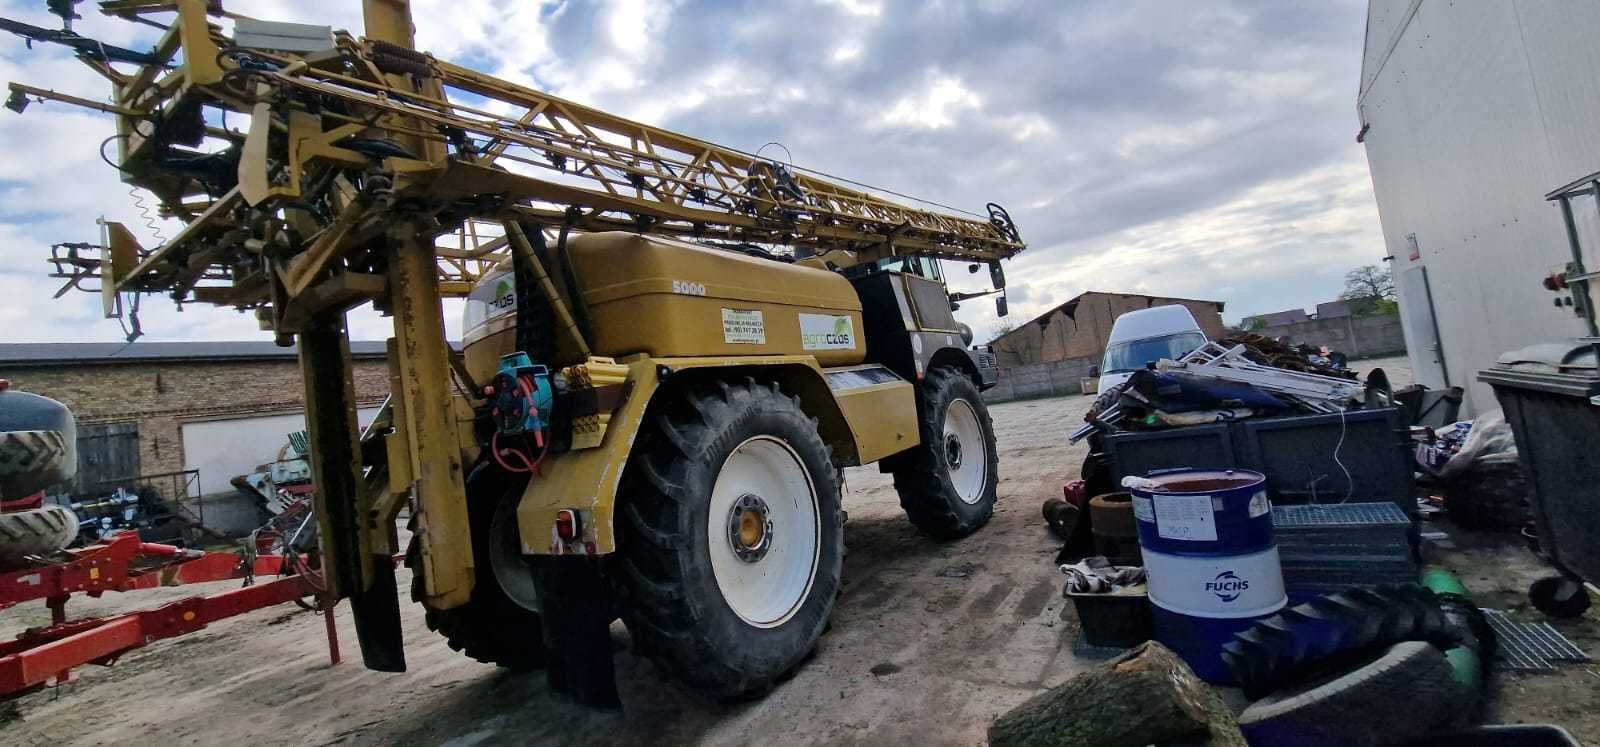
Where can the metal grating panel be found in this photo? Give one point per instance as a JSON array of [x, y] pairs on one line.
[[1530, 646], [1339, 514]]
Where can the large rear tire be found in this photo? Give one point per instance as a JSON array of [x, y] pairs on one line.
[[35, 531], [730, 541], [947, 484], [500, 623]]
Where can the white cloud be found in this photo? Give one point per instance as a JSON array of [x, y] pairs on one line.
[[856, 7], [1190, 149], [933, 108]]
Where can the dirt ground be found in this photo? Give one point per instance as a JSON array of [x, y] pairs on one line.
[[929, 643]]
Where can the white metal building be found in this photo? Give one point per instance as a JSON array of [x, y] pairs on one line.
[[1471, 112]]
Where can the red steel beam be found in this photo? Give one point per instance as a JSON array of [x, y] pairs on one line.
[[107, 566], [40, 654]]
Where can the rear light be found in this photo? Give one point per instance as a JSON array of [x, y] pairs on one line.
[[568, 525]]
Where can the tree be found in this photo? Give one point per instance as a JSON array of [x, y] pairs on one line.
[[1368, 281], [1001, 329]]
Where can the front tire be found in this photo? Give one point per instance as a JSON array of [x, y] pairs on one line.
[[730, 537], [947, 484], [500, 623]]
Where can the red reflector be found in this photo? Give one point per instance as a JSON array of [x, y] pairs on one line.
[[568, 526]]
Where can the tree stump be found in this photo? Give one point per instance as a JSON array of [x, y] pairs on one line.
[[1145, 696]]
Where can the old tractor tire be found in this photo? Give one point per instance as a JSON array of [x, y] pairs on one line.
[[1331, 631], [730, 537], [38, 444], [947, 484], [500, 623], [1407, 692], [35, 531]]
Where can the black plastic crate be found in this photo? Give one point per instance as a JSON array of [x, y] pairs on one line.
[[1296, 453], [1115, 619]]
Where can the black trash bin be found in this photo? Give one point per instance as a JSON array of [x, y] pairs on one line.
[[1551, 397]]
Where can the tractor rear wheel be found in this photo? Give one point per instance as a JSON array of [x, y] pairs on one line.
[[947, 484], [35, 531], [730, 539], [500, 623]]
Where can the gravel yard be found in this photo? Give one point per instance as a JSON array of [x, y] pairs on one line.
[[929, 643]]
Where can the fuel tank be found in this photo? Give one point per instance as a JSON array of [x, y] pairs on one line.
[[668, 298]]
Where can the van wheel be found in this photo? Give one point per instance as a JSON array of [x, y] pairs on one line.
[[730, 539], [947, 484]]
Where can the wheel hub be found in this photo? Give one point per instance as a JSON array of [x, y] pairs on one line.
[[962, 430], [763, 531], [750, 528]]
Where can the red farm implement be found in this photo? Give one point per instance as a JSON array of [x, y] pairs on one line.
[[124, 563]]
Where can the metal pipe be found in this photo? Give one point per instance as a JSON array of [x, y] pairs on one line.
[[1587, 300], [519, 242]]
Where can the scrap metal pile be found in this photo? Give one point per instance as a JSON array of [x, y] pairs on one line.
[[1228, 380]]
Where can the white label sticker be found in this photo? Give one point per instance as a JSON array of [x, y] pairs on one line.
[[1142, 509], [827, 332], [1185, 517], [1259, 504], [743, 326], [1226, 587]]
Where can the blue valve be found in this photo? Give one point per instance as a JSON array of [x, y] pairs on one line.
[[522, 396]]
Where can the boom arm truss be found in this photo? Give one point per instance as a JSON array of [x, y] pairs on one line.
[[346, 140]]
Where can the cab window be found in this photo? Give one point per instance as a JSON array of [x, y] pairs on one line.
[[926, 267]]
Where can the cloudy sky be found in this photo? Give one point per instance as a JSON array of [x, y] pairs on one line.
[[1194, 149]]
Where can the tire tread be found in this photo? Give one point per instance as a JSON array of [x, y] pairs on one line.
[[920, 476]]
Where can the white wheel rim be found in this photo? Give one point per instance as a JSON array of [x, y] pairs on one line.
[[966, 452], [768, 584]]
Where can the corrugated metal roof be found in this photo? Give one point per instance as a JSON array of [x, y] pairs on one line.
[[78, 353]]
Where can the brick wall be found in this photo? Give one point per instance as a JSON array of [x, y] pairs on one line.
[[161, 395], [1060, 336]]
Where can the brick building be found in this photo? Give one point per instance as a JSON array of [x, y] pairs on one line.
[[1079, 328], [160, 407]]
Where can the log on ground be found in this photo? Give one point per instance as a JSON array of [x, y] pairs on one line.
[[1145, 696]]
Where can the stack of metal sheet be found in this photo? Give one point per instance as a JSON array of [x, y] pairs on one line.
[[1329, 547], [1317, 392]]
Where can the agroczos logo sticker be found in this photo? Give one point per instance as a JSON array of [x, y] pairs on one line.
[[1227, 586], [505, 296]]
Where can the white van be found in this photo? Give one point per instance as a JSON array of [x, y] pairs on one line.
[[1146, 336]]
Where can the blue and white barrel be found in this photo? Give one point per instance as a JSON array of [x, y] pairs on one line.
[[1211, 561]]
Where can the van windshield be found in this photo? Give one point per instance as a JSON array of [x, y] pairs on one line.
[[1134, 354]]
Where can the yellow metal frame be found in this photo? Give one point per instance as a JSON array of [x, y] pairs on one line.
[[863, 426], [362, 180]]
